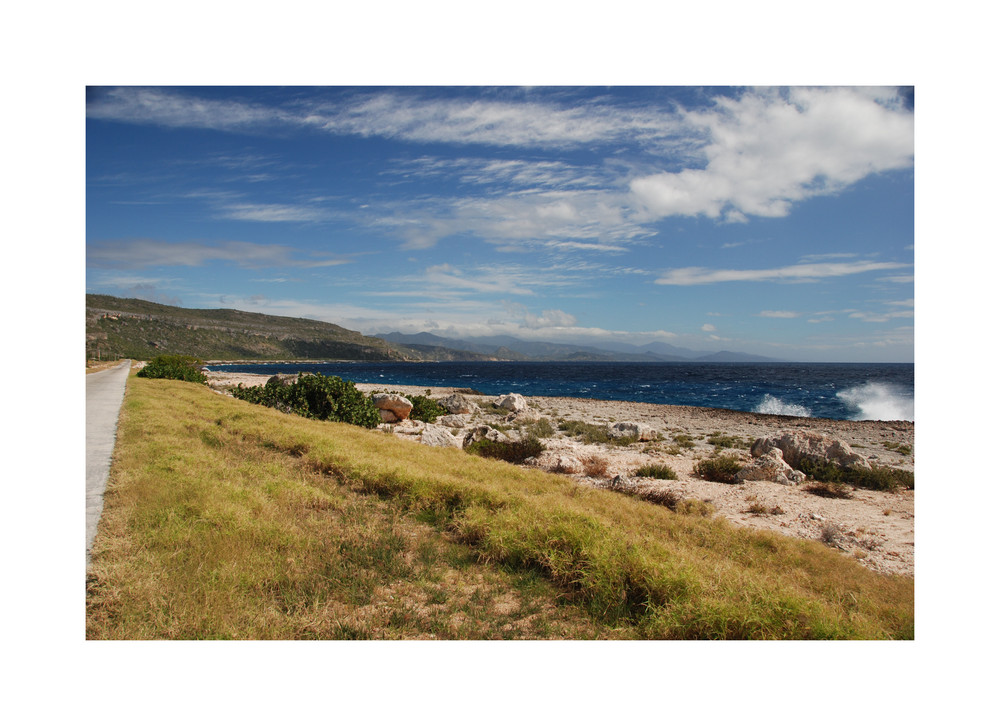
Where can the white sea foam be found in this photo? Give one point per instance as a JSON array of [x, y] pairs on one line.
[[878, 402], [773, 404]]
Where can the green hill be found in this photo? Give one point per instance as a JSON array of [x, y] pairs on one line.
[[131, 328]]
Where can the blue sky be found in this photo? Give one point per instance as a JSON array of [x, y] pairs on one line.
[[776, 221]]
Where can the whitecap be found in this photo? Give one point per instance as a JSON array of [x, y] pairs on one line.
[[774, 405], [878, 402]]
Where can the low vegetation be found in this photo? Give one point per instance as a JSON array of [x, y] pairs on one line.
[[327, 398], [175, 367], [656, 471], [727, 441], [879, 478], [225, 520], [721, 469], [590, 433], [425, 409], [514, 452]]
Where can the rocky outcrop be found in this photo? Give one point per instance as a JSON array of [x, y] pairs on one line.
[[798, 447], [627, 429], [439, 436], [770, 466], [514, 402], [283, 379], [457, 403], [392, 407]]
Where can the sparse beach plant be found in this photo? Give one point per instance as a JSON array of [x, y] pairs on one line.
[[540, 429], [727, 441], [695, 507], [719, 468], [656, 471], [899, 448], [829, 489], [515, 452], [878, 478], [589, 433], [595, 466], [685, 441]]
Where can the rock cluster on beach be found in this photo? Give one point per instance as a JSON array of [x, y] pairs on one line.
[[771, 493]]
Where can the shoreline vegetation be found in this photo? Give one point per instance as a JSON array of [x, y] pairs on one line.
[[225, 519]]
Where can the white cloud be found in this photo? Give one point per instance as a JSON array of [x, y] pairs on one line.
[[791, 273], [141, 253], [272, 213], [708, 328], [777, 314], [549, 319], [769, 149]]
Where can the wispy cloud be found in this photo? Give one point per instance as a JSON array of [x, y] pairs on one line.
[[791, 273], [778, 314], [273, 213], [142, 253]]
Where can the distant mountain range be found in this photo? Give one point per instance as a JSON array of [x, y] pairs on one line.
[[505, 347]]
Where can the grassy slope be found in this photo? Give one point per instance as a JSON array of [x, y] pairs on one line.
[[219, 334], [224, 519]]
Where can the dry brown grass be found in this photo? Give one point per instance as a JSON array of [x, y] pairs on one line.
[[228, 520]]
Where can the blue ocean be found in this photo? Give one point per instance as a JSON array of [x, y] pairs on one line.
[[848, 391]]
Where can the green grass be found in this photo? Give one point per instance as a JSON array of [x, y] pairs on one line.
[[223, 519]]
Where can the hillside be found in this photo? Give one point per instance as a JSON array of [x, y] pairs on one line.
[[131, 328]]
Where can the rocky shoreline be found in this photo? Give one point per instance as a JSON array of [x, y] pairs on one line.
[[874, 527]]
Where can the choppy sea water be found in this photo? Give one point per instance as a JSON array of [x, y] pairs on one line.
[[851, 391]]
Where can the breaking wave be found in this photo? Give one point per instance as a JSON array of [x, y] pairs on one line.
[[877, 402], [774, 405]]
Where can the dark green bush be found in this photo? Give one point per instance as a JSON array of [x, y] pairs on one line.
[[327, 398], [175, 367], [719, 468], [424, 409], [516, 452]]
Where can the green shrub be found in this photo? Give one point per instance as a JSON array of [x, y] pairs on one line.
[[656, 471], [175, 367], [719, 468], [426, 410], [589, 433], [327, 398], [540, 429], [879, 478], [516, 452], [726, 441]]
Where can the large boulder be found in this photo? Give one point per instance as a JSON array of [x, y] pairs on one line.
[[392, 407], [513, 402], [453, 421], [283, 379], [626, 429], [770, 466], [439, 436], [457, 403], [798, 447]]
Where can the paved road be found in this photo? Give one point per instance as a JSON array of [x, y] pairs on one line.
[[105, 391]]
